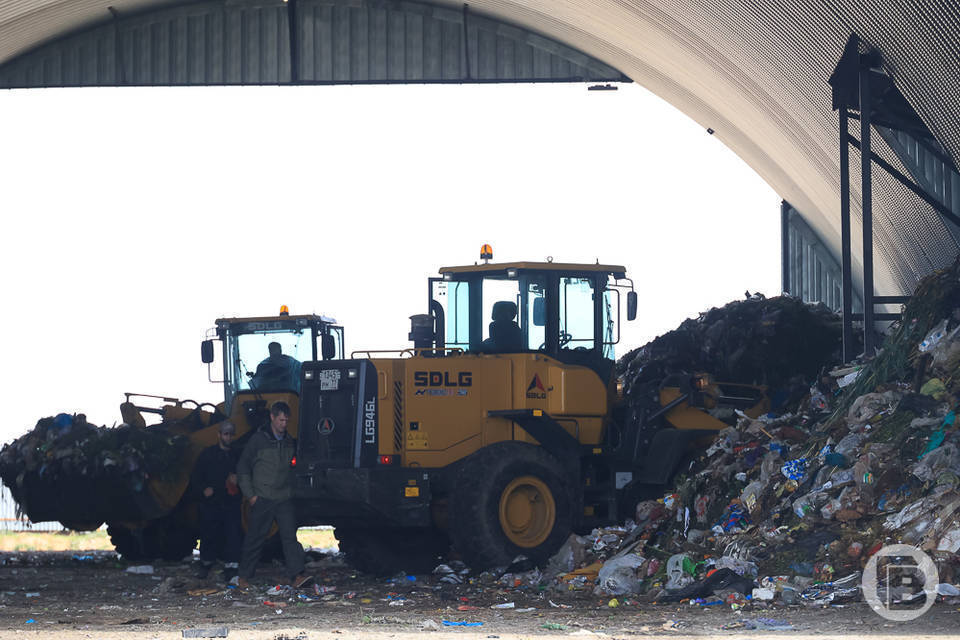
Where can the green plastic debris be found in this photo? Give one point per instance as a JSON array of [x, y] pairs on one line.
[[934, 388]]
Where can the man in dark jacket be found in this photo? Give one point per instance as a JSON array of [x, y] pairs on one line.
[[215, 479], [266, 479]]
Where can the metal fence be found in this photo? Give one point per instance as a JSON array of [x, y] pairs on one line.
[[9, 521]]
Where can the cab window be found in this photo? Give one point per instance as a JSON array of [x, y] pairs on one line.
[[611, 306], [500, 316], [536, 313], [263, 367], [577, 329], [454, 297]]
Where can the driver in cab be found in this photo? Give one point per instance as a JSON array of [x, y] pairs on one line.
[[277, 372]]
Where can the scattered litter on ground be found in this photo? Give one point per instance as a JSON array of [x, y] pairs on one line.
[[205, 632]]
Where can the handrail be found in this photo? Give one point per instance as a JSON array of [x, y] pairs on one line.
[[410, 352]]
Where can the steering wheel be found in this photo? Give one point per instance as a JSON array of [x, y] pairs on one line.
[[565, 338]]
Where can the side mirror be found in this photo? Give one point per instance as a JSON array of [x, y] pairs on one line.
[[328, 347], [539, 312], [631, 305], [206, 351]]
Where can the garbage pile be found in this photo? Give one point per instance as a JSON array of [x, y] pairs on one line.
[[790, 506], [754, 341], [68, 469]]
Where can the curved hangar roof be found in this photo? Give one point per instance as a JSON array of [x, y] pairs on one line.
[[754, 72]]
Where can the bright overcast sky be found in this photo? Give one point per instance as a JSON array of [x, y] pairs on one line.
[[136, 217]]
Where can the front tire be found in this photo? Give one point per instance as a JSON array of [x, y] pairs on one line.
[[511, 499], [386, 552], [165, 538]]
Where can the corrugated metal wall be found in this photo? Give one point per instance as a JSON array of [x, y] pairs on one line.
[[935, 176], [813, 275], [217, 43]]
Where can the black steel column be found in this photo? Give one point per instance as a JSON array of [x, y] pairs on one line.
[[869, 346], [292, 23], [846, 274], [785, 247]]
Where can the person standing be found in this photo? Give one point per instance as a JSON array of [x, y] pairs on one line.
[[265, 472], [215, 477]]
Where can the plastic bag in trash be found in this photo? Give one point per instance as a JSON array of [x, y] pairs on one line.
[[943, 458], [849, 444], [950, 541], [738, 566], [618, 575], [908, 514], [846, 588], [679, 571], [721, 579], [795, 469], [751, 495], [936, 335], [569, 557]]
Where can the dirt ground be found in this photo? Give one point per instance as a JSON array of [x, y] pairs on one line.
[[92, 595]]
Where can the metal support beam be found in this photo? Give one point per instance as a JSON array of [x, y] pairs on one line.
[[866, 166], [292, 21], [785, 247], [909, 184], [466, 39], [845, 259]]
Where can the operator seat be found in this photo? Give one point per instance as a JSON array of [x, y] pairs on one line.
[[505, 334]]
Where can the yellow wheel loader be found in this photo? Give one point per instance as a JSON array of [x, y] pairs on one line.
[[158, 518], [498, 431]]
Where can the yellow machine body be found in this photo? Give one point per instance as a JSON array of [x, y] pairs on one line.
[[445, 403]]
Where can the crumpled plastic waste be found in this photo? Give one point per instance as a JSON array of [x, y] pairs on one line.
[[846, 588], [759, 624], [721, 579], [795, 469], [619, 575], [934, 337]]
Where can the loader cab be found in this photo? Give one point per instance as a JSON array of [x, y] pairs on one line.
[[570, 312], [264, 354]]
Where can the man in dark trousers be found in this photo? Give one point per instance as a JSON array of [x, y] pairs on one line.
[[215, 477], [266, 479]]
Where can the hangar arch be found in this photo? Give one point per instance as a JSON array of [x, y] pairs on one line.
[[754, 74]]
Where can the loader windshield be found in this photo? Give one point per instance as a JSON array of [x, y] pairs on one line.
[[571, 314], [270, 361], [264, 355]]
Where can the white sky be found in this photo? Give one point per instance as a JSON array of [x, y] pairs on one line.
[[136, 217]]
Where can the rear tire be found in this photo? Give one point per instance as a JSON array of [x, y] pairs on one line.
[[511, 499], [165, 538], [386, 552]]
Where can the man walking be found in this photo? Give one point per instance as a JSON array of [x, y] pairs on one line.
[[265, 472], [215, 477]]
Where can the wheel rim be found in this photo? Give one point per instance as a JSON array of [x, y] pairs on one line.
[[527, 511]]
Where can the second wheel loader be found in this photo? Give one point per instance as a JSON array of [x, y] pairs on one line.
[[155, 516]]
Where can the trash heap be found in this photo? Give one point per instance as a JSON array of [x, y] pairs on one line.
[[753, 341], [781, 343], [68, 469], [790, 506]]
